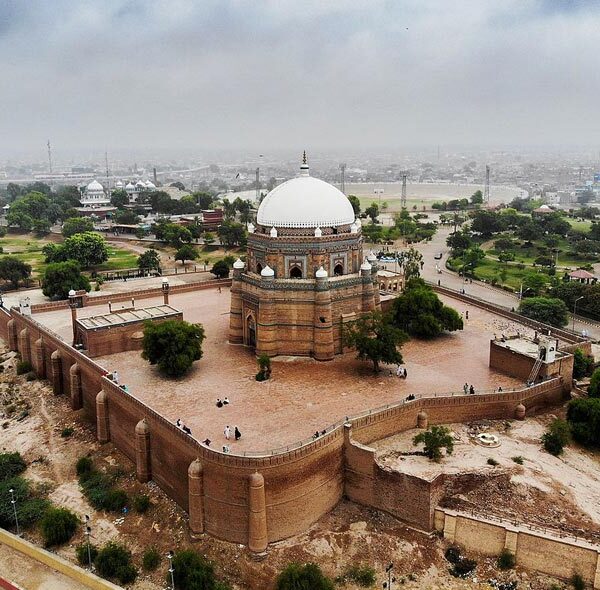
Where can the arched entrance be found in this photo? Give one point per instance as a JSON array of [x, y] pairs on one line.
[[295, 272], [258, 268], [338, 270], [251, 331]]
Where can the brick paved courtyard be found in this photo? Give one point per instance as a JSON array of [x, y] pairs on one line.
[[303, 395]]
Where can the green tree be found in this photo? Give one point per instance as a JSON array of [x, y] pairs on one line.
[[77, 225], [372, 211], [556, 437], [126, 217], [186, 252], [176, 235], [487, 222], [14, 270], [582, 364], [376, 339], [458, 242], [355, 202], [411, 263], [545, 309], [220, 269], [58, 525], [41, 227], [11, 464], [303, 577], [583, 415], [208, 238], [119, 198], [477, 198], [60, 277], [19, 219], [203, 199], [172, 345], [434, 440], [594, 386], [149, 259], [88, 249], [533, 284], [232, 233], [471, 258]]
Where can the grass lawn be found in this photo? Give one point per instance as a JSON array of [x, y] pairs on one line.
[[579, 225], [28, 248]]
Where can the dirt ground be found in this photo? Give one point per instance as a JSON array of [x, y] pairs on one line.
[[32, 420], [303, 395], [561, 493]]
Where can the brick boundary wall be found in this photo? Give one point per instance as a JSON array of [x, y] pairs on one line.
[[140, 294], [542, 551], [254, 499]]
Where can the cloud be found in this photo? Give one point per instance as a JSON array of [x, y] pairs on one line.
[[340, 74]]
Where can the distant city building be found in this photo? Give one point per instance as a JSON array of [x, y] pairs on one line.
[[134, 190]]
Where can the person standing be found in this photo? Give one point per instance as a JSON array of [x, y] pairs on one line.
[[237, 433], [227, 432], [116, 377], [466, 388], [472, 390]]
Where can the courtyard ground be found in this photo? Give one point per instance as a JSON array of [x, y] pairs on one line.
[[303, 395], [348, 535]]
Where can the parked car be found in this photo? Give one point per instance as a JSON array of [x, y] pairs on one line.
[[438, 256]]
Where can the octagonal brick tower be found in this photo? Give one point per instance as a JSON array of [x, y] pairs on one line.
[[305, 273]]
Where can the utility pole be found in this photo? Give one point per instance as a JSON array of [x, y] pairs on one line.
[[50, 156], [107, 177], [257, 184], [403, 198], [343, 177], [486, 190]]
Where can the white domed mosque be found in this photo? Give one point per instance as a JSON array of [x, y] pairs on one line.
[[305, 273], [94, 195]]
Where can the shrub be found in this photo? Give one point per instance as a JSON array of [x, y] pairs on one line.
[[29, 509], [11, 464], [584, 417], [114, 563], [506, 560], [141, 503], [452, 554], [81, 551], [115, 500], [578, 582], [84, 465], [434, 439], [58, 526], [189, 567], [594, 387], [463, 567], [492, 462], [518, 460], [556, 437], [362, 575], [582, 364], [151, 559], [23, 367], [67, 432], [296, 576]]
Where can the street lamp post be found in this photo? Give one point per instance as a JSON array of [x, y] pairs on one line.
[[388, 570], [171, 570], [88, 534], [575, 311], [14, 505]]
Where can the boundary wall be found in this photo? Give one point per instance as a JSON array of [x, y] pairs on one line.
[[268, 496], [560, 557]]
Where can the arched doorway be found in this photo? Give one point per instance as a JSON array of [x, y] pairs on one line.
[[251, 331], [295, 272], [258, 268], [338, 270]]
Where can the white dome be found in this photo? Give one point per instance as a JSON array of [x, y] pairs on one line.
[[318, 232], [130, 186], [321, 273], [150, 184], [273, 232], [238, 264], [95, 186], [251, 227], [305, 202], [119, 184], [267, 271], [365, 265]]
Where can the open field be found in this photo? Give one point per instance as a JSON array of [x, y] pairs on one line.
[[424, 194], [303, 395]]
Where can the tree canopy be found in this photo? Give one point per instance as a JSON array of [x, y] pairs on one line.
[[419, 312], [149, 259], [60, 277], [220, 269], [584, 417], [306, 576], [77, 225], [119, 198], [434, 440], [376, 339], [232, 233], [186, 252], [172, 345], [545, 309], [355, 202], [88, 249], [14, 270]]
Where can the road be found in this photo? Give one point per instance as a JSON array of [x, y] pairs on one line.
[[449, 279]]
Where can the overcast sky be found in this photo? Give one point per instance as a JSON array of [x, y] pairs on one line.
[[281, 74]]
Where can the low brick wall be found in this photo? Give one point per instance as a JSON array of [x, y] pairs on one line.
[[541, 551]]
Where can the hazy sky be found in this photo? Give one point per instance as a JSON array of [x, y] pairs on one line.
[[310, 73]]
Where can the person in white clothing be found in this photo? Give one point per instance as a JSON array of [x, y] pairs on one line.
[[227, 432]]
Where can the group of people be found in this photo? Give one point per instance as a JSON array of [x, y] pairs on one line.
[[182, 426], [401, 372], [236, 432], [468, 389], [222, 402]]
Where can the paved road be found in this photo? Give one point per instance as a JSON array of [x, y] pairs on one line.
[[30, 574]]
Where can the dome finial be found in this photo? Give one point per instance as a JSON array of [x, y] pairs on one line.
[[304, 166]]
